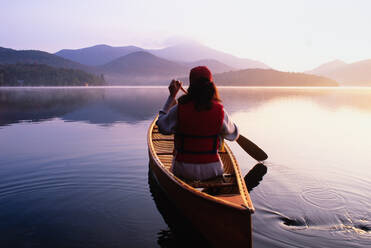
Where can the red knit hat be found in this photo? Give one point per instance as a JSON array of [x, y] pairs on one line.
[[200, 72]]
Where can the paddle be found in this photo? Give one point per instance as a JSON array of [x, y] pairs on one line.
[[247, 145], [253, 150]]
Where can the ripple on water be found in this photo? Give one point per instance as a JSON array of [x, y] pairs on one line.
[[323, 198], [358, 228], [54, 179], [361, 226], [353, 230]]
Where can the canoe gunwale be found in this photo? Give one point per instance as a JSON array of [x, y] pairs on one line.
[[247, 206]]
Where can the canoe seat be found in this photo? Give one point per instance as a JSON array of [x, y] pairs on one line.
[[227, 180]]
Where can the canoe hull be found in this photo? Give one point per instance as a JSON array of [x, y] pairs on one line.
[[220, 224]]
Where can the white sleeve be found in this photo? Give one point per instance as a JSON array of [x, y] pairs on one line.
[[229, 129], [167, 118], [170, 102]]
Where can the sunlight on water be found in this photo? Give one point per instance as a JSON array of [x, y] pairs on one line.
[[77, 159], [318, 178]]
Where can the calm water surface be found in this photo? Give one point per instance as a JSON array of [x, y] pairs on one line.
[[74, 167]]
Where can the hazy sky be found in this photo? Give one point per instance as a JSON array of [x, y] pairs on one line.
[[291, 35]]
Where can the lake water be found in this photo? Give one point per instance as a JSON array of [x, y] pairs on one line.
[[74, 167]]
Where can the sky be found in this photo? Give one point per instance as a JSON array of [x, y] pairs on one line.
[[288, 35]]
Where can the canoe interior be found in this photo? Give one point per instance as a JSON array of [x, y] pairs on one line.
[[230, 189]]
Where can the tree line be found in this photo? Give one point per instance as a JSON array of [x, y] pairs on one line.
[[44, 75]]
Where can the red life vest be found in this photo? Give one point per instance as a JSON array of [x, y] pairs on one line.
[[196, 138]]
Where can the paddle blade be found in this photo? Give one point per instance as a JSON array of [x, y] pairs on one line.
[[252, 149]]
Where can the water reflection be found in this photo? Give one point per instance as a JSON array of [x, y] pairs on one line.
[[91, 105], [110, 105], [255, 176], [331, 98]]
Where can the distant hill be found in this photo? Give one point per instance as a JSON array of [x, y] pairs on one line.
[[97, 55], [326, 67], [192, 51], [355, 74], [214, 65], [43, 75], [10, 56], [269, 77], [142, 67]]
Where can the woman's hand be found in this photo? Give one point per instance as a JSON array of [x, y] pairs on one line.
[[174, 87]]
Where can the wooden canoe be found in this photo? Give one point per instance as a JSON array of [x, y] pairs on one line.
[[220, 209]]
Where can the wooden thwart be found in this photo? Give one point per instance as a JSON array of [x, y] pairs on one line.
[[163, 139], [226, 180], [164, 153], [210, 185]]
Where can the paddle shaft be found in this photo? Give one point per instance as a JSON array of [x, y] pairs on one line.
[[185, 91], [247, 145]]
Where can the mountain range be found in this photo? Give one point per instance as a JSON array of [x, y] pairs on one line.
[[119, 64], [354, 74], [134, 65], [186, 52]]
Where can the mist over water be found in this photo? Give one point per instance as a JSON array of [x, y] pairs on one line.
[[74, 166]]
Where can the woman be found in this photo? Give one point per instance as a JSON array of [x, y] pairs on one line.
[[199, 123]]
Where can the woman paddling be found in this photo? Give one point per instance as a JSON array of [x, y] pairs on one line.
[[199, 123]]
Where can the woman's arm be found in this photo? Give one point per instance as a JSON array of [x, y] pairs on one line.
[[168, 115], [229, 129]]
